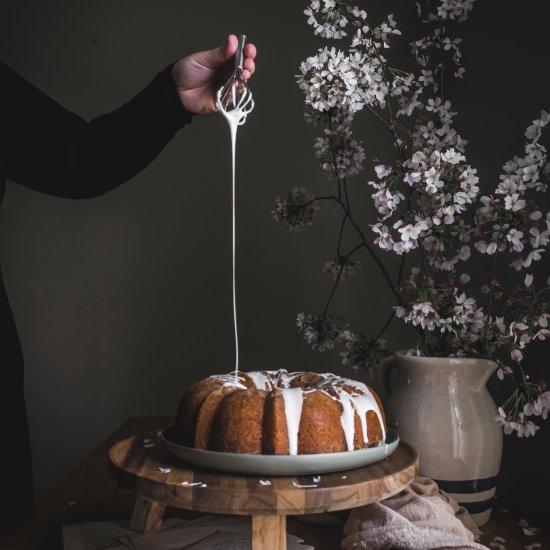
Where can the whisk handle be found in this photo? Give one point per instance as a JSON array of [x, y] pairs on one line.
[[239, 54]]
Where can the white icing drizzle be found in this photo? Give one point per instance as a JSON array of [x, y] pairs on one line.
[[284, 378], [348, 417], [261, 380], [363, 403], [230, 380], [235, 118], [293, 398], [360, 400], [233, 124]]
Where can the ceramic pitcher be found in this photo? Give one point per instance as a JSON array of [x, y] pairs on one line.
[[442, 407]]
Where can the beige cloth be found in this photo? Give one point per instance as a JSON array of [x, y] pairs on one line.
[[419, 518]]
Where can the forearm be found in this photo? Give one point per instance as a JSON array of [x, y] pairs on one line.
[[56, 152]]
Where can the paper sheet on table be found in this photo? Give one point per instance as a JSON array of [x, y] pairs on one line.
[[206, 533], [101, 534]]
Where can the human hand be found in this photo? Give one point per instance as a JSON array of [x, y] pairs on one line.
[[199, 76]]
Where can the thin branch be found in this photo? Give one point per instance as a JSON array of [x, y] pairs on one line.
[[339, 276], [370, 250], [341, 234], [385, 327]]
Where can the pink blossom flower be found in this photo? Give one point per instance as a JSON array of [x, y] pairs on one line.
[[503, 370], [427, 199], [538, 407], [382, 170]]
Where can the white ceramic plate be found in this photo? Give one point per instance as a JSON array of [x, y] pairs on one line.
[[282, 465]]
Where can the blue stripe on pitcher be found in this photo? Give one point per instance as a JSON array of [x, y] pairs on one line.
[[466, 491], [478, 507], [467, 485]]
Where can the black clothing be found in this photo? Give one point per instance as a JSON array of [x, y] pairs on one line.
[[47, 148]]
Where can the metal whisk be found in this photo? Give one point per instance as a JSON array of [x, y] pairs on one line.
[[235, 96]]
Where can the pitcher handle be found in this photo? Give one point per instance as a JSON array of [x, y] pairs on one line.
[[385, 369]]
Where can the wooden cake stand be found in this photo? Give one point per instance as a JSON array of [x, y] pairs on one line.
[[159, 480]]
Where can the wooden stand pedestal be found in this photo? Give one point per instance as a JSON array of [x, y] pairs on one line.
[[159, 480]]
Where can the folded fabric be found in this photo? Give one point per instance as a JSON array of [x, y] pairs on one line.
[[419, 518]]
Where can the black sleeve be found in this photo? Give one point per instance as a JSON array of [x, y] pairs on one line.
[[52, 150]]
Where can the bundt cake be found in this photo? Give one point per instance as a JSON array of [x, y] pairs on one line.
[[281, 413]]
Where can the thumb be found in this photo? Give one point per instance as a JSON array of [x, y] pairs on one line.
[[228, 50]]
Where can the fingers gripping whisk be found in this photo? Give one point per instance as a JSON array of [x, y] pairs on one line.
[[235, 96]]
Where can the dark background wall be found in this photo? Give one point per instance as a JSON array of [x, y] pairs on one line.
[[124, 299]]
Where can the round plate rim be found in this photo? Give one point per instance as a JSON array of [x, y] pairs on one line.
[[281, 464]]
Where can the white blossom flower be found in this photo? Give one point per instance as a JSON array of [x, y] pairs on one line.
[[410, 233], [385, 201], [528, 530], [454, 9], [503, 370], [298, 209], [515, 238], [533, 256], [382, 170], [538, 238], [523, 427], [539, 407], [319, 332], [340, 155], [433, 180], [533, 131], [341, 268], [453, 157], [514, 203], [427, 200], [423, 314], [502, 418], [498, 543], [326, 18]]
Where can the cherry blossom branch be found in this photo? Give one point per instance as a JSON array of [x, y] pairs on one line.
[[338, 277]]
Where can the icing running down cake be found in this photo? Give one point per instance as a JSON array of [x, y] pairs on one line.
[[280, 412]]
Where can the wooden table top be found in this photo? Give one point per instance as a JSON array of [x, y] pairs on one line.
[[141, 463], [90, 493]]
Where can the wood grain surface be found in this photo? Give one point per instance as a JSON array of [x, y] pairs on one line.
[[141, 464]]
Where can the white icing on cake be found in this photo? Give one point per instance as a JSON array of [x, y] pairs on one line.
[[293, 398], [348, 417], [261, 380], [230, 380], [364, 401], [353, 396]]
